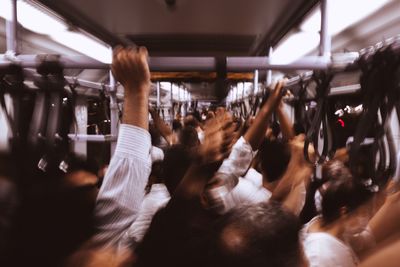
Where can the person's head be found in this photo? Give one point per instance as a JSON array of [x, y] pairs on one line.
[[190, 121], [259, 235], [188, 137], [274, 157], [341, 193], [56, 213], [176, 125], [177, 160]]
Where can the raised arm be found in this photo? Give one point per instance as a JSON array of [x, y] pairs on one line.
[[122, 191], [385, 222], [256, 132], [131, 69], [297, 171], [286, 125], [242, 154], [296, 198], [218, 136], [164, 129]]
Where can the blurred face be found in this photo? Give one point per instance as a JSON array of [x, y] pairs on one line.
[[220, 111], [178, 117]]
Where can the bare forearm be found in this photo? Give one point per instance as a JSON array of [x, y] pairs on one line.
[[385, 221], [295, 172], [256, 132], [163, 128], [286, 126], [136, 111], [295, 200]]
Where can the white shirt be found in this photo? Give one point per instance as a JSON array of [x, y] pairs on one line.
[[156, 199], [122, 191], [396, 176], [156, 154], [238, 162], [237, 190], [255, 177], [245, 192], [200, 135], [323, 249]]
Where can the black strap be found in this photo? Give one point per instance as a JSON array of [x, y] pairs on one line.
[[323, 89]]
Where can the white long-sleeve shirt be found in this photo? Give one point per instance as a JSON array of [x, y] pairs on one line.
[[255, 177], [236, 190], [122, 192]]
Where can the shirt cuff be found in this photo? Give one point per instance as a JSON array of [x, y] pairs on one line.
[[133, 141]]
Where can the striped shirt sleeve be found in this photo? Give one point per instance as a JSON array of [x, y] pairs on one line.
[[122, 192]]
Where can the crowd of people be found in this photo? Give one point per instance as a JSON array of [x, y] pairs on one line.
[[207, 190]]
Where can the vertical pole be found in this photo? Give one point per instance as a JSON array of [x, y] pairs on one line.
[[243, 91], [269, 72], [11, 46], [172, 92], [158, 94], [255, 85], [324, 51], [11, 30], [81, 115], [325, 38], [114, 116], [237, 92], [172, 102]]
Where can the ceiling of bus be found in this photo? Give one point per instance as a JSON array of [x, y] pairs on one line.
[[191, 27]]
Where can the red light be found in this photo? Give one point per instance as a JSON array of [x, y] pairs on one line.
[[341, 122]]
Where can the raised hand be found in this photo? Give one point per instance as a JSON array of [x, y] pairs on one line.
[[131, 69], [297, 150], [218, 139]]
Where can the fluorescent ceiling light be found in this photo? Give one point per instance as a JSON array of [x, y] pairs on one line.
[[342, 14], [84, 45], [36, 20]]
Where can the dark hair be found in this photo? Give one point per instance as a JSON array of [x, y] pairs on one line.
[[54, 220], [177, 160], [196, 114], [176, 125], [342, 191], [155, 175], [259, 235], [191, 121], [154, 134], [274, 158], [188, 137]]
